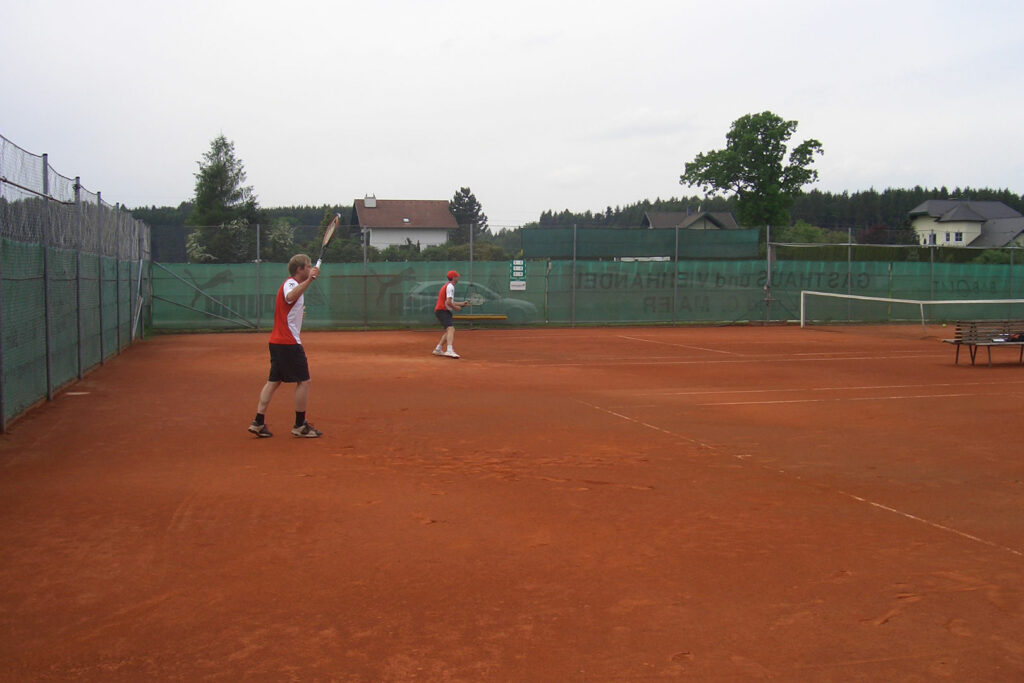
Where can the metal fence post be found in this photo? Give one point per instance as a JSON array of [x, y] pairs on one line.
[[768, 274], [117, 276], [849, 273], [931, 272], [3, 404], [259, 291], [572, 308], [675, 281], [99, 269], [78, 271], [47, 332]]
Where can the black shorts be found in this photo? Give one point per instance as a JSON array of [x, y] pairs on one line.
[[445, 318], [288, 363]]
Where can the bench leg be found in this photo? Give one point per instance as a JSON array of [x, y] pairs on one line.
[[956, 358], [973, 350], [989, 355]]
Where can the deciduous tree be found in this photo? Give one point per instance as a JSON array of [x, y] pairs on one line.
[[753, 167]]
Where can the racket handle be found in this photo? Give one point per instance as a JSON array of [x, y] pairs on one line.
[[318, 262]]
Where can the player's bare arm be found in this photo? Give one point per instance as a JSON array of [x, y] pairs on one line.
[[296, 292]]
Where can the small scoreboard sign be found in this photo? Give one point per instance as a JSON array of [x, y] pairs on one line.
[[517, 275]]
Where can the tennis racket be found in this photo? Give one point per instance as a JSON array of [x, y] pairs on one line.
[[328, 234]]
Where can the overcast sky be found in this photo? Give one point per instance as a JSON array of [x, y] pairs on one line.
[[533, 105]]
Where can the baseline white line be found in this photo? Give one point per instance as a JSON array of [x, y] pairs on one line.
[[786, 473]]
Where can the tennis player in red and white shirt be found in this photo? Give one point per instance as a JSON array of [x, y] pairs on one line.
[[446, 303], [287, 357]]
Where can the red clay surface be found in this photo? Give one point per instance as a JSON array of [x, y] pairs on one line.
[[570, 504]]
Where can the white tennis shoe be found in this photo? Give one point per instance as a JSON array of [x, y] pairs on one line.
[[450, 353], [438, 351]]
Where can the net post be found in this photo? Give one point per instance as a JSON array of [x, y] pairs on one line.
[[803, 300], [923, 328]]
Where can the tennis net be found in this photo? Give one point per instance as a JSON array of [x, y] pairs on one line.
[[832, 308]]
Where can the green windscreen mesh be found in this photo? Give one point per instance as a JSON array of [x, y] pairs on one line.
[[59, 320], [195, 297], [24, 324]]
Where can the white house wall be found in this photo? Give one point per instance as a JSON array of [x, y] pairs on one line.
[[925, 226]]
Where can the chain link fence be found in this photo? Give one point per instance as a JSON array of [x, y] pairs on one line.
[[74, 280]]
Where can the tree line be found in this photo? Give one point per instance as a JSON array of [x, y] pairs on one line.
[[862, 211], [751, 178], [873, 217]]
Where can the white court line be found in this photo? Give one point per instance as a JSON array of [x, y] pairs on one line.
[[785, 473], [840, 399], [645, 424], [682, 346], [860, 388], [930, 523], [632, 361]]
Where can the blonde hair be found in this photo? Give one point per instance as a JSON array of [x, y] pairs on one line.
[[297, 262]]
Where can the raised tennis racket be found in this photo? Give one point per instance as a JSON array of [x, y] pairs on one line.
[[328, 234]]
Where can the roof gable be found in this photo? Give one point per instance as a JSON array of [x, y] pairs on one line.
[[724, 220], [999, 232], [946, 210], [405, 214]]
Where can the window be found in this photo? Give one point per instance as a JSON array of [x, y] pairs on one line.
[[958, 237], [931, 238], [947, 237]]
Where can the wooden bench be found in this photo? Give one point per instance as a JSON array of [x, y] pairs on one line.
[[987, 333], [479, 316]]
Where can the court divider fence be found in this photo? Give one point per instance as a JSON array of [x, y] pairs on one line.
[[74, 280]]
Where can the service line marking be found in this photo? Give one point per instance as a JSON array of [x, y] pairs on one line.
[[838, 399], [747, 359], [682, 346], [878, 387], [746, 457]]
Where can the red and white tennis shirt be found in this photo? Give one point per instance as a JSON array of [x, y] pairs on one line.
[[287, 316], [447, 292]]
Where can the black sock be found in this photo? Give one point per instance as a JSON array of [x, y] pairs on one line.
[[300, 418], [259, 418]]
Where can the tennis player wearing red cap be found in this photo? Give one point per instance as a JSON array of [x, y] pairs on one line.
[[446, 303]]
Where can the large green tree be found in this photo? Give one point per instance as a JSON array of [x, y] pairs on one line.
[[753, 167], [468, 213], [223, 208]]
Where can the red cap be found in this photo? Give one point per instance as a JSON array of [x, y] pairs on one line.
[[452, 274]]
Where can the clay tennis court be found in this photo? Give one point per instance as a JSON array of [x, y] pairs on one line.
[[738, 503]]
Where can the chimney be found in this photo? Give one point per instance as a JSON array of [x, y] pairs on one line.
[[370, 202]]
